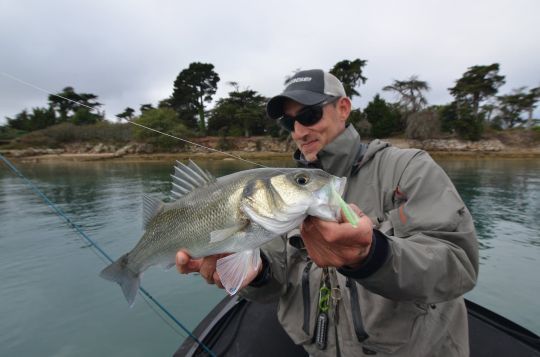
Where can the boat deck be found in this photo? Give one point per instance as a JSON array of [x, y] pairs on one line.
[[228, 331]]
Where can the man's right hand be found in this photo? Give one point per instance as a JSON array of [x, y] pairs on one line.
[[207, 268]]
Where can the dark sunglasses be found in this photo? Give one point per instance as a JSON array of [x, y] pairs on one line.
[[308, 116]]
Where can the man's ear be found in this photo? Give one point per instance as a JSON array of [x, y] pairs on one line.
[[344, 107]]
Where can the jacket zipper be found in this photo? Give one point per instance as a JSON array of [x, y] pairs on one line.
[[305, 293], [359, 330]]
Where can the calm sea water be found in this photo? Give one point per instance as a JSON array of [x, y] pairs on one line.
[[53, 303]]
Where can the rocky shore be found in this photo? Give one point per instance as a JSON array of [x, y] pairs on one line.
[[255, 147]]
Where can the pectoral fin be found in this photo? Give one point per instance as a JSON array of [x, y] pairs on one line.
[[233, 269]]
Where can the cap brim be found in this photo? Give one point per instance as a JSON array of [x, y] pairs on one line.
[[274, 108]]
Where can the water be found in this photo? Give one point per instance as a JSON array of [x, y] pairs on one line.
[[53, 303]]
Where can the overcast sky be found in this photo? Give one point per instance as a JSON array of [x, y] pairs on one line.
[[130, 52]]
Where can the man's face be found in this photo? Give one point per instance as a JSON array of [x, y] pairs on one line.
[[311, 139]]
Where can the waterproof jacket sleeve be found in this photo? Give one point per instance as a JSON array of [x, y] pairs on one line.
[[431, 251]]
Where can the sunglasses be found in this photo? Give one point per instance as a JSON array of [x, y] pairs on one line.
[[308, 116]]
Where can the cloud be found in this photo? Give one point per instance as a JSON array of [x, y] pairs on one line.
[[130, 52]]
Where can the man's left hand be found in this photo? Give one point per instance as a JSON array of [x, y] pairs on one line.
[[338, 244]]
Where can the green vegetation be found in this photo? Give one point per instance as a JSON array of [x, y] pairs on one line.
[[164, 120], [193, 87], [57, 135], [382, 117], [350, 74], [477, 110], [241, 114]]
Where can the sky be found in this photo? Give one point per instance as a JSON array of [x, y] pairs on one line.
[[130, 52]]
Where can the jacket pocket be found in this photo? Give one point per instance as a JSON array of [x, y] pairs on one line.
[[391, 324]]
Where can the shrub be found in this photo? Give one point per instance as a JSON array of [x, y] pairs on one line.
[[57, 135], [166, 121], [423, 125], [383, 117]]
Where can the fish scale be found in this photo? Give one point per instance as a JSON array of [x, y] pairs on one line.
[[236, 213]]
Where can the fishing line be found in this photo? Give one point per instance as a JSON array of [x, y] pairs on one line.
[[351, 215], [132, 122], [92, 243]]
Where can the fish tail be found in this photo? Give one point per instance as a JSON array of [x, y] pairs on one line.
[[120, 273]]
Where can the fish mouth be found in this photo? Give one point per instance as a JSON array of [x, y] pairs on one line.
[[326, 205], [338, 184]]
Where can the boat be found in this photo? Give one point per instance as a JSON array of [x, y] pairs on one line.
[[228, 330]]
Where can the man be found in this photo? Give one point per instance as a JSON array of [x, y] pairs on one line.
[[392, 285]]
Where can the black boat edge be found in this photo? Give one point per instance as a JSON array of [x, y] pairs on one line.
[[228, 331]]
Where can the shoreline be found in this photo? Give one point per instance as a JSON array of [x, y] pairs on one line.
[[262, 148], [514, 153]]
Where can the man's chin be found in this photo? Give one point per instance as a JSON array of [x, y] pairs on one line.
[[310, 156]]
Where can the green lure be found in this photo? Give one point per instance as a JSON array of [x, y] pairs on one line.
[[351, 215]]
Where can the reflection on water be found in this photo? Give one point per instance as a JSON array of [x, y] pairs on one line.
[[504, 198], [50, 283], [502, 195]]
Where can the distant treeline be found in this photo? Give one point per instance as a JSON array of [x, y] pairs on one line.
[[476, 106]]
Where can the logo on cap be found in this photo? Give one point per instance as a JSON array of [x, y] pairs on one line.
[[299, 79]]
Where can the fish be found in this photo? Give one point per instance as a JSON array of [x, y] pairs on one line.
[[235, 214]]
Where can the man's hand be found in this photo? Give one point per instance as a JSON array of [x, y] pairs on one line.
[[337, 244], [207, 268]]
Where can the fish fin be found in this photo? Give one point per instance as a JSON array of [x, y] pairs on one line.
[[151, 207], [187, 178], [204, 173], [128, 280], [233, 269], [222, 234]]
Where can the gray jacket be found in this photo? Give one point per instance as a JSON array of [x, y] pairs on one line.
[[406, 298]]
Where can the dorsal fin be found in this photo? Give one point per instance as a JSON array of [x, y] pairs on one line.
[[151, 207], [187, 178]]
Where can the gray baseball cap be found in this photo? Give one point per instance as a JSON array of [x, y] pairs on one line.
[[308, 88]]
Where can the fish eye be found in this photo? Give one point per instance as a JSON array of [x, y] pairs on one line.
[[301, 180]]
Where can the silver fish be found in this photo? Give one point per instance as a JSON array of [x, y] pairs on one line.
[[236, 214]]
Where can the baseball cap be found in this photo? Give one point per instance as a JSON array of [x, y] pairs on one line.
[[308, 88]]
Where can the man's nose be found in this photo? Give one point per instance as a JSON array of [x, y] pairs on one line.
[[300, 130]]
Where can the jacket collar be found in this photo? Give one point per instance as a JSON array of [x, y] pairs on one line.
[[338, 157]]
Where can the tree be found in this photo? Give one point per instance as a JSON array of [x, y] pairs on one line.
[[83, 116], [194, 87], [145, 107], [127, 114], [512, 106], [382, 117], [461, 119], [530, 102], [476, 85], [350, 74], [20, 122], [40, 118], [164, 120], [68, 102], [242, 113], [411, 99]]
